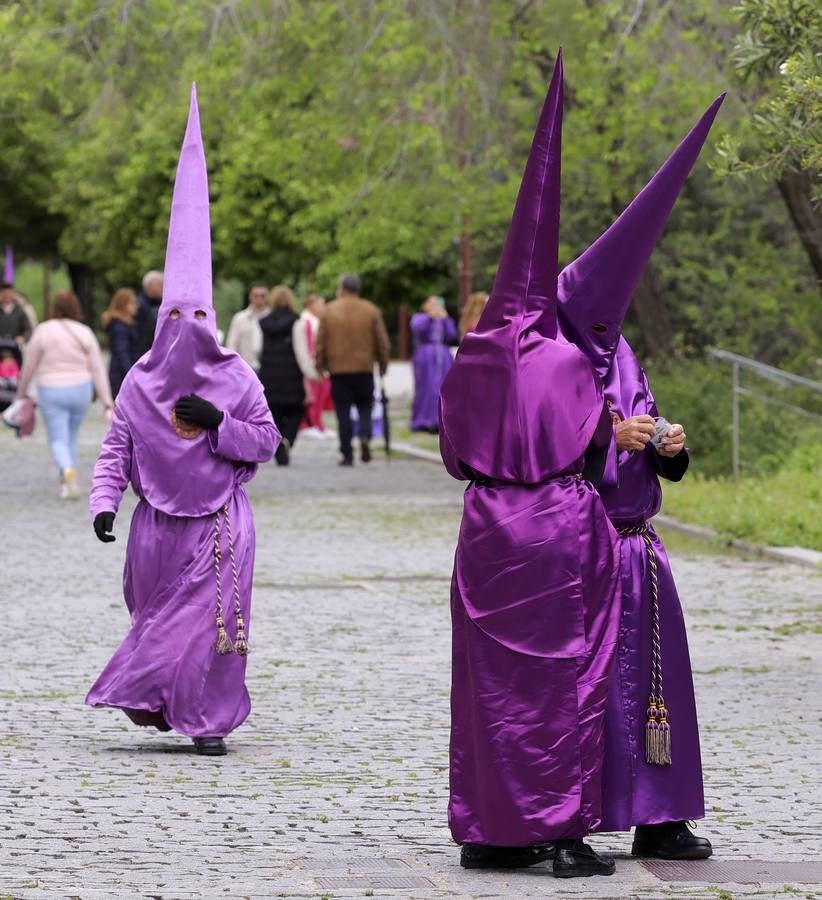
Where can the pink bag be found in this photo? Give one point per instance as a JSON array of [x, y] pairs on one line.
[[20, 416]]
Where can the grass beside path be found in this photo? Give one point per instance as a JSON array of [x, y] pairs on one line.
[[783, 509]]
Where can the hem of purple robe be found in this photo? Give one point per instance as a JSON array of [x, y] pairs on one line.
[[658, 819], [185, 731]]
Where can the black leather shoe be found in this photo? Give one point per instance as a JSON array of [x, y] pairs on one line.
[[482, 856], [575, 859], [283, 453], [346, 461], [365, 452], [670, 840], [210, 746]]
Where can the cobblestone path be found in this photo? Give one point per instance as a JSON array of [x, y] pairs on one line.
[[337, 784]]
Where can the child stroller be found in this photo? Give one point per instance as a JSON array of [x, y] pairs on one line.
[[8, 383]]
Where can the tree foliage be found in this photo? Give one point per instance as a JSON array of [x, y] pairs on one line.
[[361, 134]]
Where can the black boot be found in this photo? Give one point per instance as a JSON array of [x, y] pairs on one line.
[[575, 859], [365, 451], [482, 856], [670, 840], [210, 746], [283, 453]]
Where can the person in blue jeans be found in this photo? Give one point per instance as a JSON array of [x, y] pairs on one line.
[[64, 361]]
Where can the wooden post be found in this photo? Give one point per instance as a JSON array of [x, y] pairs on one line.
[[46, 288], [404, 348]]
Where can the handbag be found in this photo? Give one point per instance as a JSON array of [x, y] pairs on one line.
[[20, 416]]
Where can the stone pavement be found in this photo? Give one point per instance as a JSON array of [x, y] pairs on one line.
[[337, 784]]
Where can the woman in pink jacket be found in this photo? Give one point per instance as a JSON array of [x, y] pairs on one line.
[[63, 359]]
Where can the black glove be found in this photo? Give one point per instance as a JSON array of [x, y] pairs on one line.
[[197, 411], [103, 525]]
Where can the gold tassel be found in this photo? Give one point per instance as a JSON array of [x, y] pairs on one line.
[[652, 733], [223, 645], [241, 647], [664, 731]]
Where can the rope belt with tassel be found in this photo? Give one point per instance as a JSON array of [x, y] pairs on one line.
[[224, 645], [657, 727]]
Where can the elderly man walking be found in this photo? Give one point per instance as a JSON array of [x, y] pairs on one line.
[[351, 340]]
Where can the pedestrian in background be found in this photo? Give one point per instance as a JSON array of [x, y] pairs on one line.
[[471, 312], [433, 330], [244, 334], [149, 300], [351, 340], [28, 309], [317, 385], [280, 373], [64, 360], [119, 323], [14, 323]]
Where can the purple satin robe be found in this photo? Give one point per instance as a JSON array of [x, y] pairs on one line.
[[432, 361], [535, 609], [167, 668], [634, 792]]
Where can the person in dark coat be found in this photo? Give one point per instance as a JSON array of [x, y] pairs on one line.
[[148, 304], [279, 372], [119, 323]]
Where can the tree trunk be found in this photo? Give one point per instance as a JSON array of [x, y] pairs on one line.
[[795, 188], [82, 283], [653, 319]]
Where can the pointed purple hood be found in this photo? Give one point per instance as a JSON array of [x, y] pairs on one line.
[[8, 268], [596, 289], [181, 475], [518, 405]]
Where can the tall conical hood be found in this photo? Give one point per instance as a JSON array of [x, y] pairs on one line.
[[517, 405], [525, 286], [187, 273], [595, 290], [8, 268]]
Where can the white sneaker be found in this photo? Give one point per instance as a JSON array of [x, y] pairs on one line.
[[69, 489]]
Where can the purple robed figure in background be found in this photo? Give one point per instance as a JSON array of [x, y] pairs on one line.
[[433, 331], [8, 266], [190, 426], [652, 773], [535, 590]]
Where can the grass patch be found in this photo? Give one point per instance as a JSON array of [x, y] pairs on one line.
[[780, 509]]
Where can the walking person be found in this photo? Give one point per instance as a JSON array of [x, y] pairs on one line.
[[433, 331], [280, 373], [471, 312], [244, 334], [190, 428], [317, 386], [64, 361], [120, 324], [652, 775], [535, 593], [148, 305], [15, 325], [352, 339]]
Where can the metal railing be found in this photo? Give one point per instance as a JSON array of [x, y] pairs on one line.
[[770, 373]]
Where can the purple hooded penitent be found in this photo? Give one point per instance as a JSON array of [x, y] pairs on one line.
[[8, 267], [535, 589], [596, 289], [189, 482]]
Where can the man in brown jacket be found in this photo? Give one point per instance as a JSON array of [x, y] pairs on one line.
[[352, 337]]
